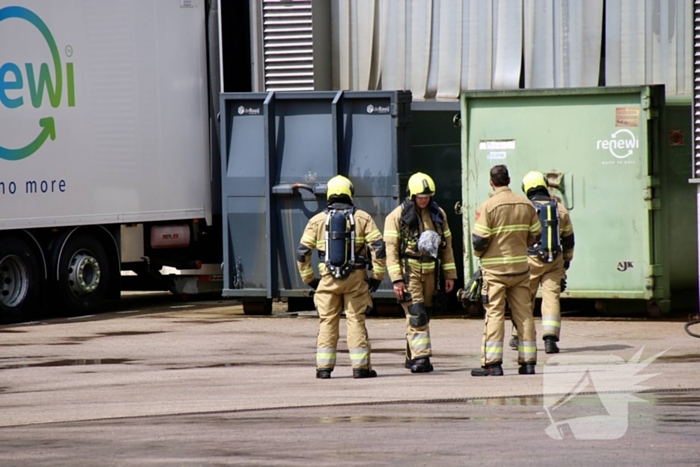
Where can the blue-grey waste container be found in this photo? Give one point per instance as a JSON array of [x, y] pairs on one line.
[[278, 152]]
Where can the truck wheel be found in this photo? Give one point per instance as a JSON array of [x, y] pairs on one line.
[[20, 281], [83, 275]]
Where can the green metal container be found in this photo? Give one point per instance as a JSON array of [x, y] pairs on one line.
[[606, 153]]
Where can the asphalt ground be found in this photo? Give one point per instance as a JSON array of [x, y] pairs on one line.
[[172, 383]]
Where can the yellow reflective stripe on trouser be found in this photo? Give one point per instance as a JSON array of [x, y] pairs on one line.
[[325, 358], [504, 260], [526, 350], [359, 358], [493, 350], [551, 324], [420, 341]]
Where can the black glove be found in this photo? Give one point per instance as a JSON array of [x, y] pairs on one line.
[[563, 285], [567, 264], [314, 283], [374, 285]]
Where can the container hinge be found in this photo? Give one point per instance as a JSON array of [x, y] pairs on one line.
[[652, 202], [653, 271]]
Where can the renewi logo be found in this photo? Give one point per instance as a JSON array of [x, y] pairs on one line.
[[621, 144], [37, 79]]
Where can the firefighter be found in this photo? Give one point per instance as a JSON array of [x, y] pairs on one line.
[[419, 245], [549, 259], [506, 225], [344, 237]]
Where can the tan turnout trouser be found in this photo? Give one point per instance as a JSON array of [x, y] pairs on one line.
[[331, 298], [549, 275], [422, 289], [497, 288]]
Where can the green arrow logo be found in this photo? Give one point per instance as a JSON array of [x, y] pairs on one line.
[[48, 124], [49, 131]]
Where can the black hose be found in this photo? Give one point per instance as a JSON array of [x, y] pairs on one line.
[[687, 328]]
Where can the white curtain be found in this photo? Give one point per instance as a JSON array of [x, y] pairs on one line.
[[562, 43], [438, 48], [649, 42]]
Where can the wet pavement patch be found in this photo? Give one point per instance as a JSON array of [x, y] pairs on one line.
[[128, 333], [55, 363], [691, 358]]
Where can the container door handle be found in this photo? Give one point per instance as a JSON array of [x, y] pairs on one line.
[[563, 185]]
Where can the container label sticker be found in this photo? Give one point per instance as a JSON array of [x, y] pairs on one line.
[[500, 144], [497, 150], [627, 116]]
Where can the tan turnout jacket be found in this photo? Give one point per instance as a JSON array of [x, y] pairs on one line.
[[506, 225], [394, 257], [366, 235]]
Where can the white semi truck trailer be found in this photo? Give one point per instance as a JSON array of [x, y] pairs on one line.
[[106, 149]]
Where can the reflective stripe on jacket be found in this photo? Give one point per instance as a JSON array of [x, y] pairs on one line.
[[506, 225], [394, 257], [366, 235]]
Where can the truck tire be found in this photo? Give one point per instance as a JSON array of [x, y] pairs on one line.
[[83, 275], [20, 281]]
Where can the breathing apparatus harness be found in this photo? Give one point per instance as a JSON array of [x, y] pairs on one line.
[[409, 223], [549, 246], [340, 258]]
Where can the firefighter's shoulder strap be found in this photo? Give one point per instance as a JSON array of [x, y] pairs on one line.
[[340, 257], [549, 246]]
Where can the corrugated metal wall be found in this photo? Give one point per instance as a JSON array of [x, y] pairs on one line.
[[436, 48]]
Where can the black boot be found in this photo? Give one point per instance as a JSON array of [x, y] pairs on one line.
[[421, 365], [526, 369], [489, 370], [409, 361], [323, 373], [513, 343], [363, 373], [550, 344]]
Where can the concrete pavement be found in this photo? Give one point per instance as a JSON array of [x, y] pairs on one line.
[[116, 371]]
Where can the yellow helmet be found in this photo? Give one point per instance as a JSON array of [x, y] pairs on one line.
[[340, 185], [532, 180], [420, 184]]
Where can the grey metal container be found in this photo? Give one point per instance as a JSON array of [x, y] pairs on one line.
[[278, 152]]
